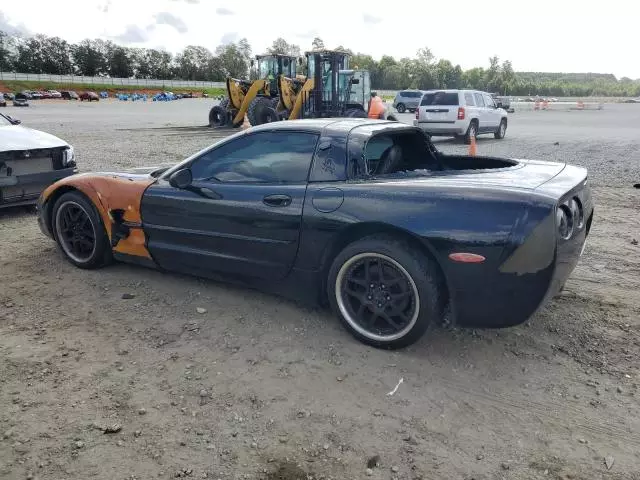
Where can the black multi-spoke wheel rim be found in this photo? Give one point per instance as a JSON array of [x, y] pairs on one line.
[[75, 231], [377, 296]]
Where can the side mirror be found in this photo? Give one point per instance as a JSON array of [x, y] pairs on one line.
[[181, 179]]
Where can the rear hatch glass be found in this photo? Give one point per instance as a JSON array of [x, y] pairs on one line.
[[439, 98], [439, 107]]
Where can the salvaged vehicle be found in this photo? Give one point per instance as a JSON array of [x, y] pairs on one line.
[[363, 214], [89, 96], [30, 161]]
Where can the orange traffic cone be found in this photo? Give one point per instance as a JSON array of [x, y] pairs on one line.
[[473, 148], [246, 123]]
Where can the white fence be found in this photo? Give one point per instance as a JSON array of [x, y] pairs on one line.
[[140, 82]]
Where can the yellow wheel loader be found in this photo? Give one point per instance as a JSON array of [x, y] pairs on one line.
[[253, 97], [331, 89]]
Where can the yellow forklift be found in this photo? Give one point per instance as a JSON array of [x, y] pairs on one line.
[[251, 97]]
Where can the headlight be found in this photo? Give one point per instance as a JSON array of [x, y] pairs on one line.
[[564, 220], [68, 157], [577, 212]]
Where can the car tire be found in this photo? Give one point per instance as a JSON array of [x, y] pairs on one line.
[[75, 216], [401, 108], [502, 129], [412, 278], [472, 131]]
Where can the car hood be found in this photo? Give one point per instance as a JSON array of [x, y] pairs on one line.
[[17, 137]]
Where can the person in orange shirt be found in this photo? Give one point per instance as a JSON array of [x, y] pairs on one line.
[[376, 107]]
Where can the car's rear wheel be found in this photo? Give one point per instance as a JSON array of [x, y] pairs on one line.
[[472, 132], [79, 231], [401, 108], [502, 130], [385, 291]]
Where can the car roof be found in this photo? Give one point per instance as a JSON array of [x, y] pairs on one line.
[[330, 126]]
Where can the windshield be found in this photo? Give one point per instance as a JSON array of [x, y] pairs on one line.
[[268, 67], [288, 66], [4, 121]]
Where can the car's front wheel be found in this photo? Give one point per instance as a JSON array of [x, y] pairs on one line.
[[385, 291], [79, 231]]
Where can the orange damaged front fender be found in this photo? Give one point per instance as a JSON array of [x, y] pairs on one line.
[[117, 198]]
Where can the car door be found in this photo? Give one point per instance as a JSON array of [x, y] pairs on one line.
[[242, 211], [492, 113]]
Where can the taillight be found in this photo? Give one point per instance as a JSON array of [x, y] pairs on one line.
[[460, 113]]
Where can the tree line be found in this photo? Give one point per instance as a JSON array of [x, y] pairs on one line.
[[96, 57]]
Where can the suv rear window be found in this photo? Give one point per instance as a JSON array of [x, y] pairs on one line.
[[439, 98]]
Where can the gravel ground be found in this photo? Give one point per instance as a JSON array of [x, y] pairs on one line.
[[96, 386]]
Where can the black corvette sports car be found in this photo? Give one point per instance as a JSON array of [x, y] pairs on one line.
[[366, 215]]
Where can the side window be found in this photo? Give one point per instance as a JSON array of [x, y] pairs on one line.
[[488, 101], [374, 150], [479, 101], [265, 157], [468, 99]]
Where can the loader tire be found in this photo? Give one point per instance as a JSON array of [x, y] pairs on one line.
[[257, 113], [219, 114]]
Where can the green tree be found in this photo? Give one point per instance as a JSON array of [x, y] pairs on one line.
[[120, 63], [89, 58], [508, 78], [474, 78], [232, 60], [317, 44], [492, 75], [193, 63], [8, 51], [282, 47]]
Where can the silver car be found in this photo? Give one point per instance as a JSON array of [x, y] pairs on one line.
[[407, 100]]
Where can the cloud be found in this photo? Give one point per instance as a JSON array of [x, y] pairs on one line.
[[132, 34], [105, 7], [308, 34], [370, 18], [166, 18], [14, 30], [224, 11], [229, 37]]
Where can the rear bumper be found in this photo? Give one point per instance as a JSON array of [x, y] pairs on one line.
[[441, 128], [25, 189], [529, 277]]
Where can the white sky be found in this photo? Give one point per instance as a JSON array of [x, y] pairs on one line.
[[540, 35]]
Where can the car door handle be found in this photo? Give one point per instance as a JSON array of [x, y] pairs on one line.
[[277, 200]]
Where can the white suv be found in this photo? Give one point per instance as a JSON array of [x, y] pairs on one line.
[[460, 113]]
